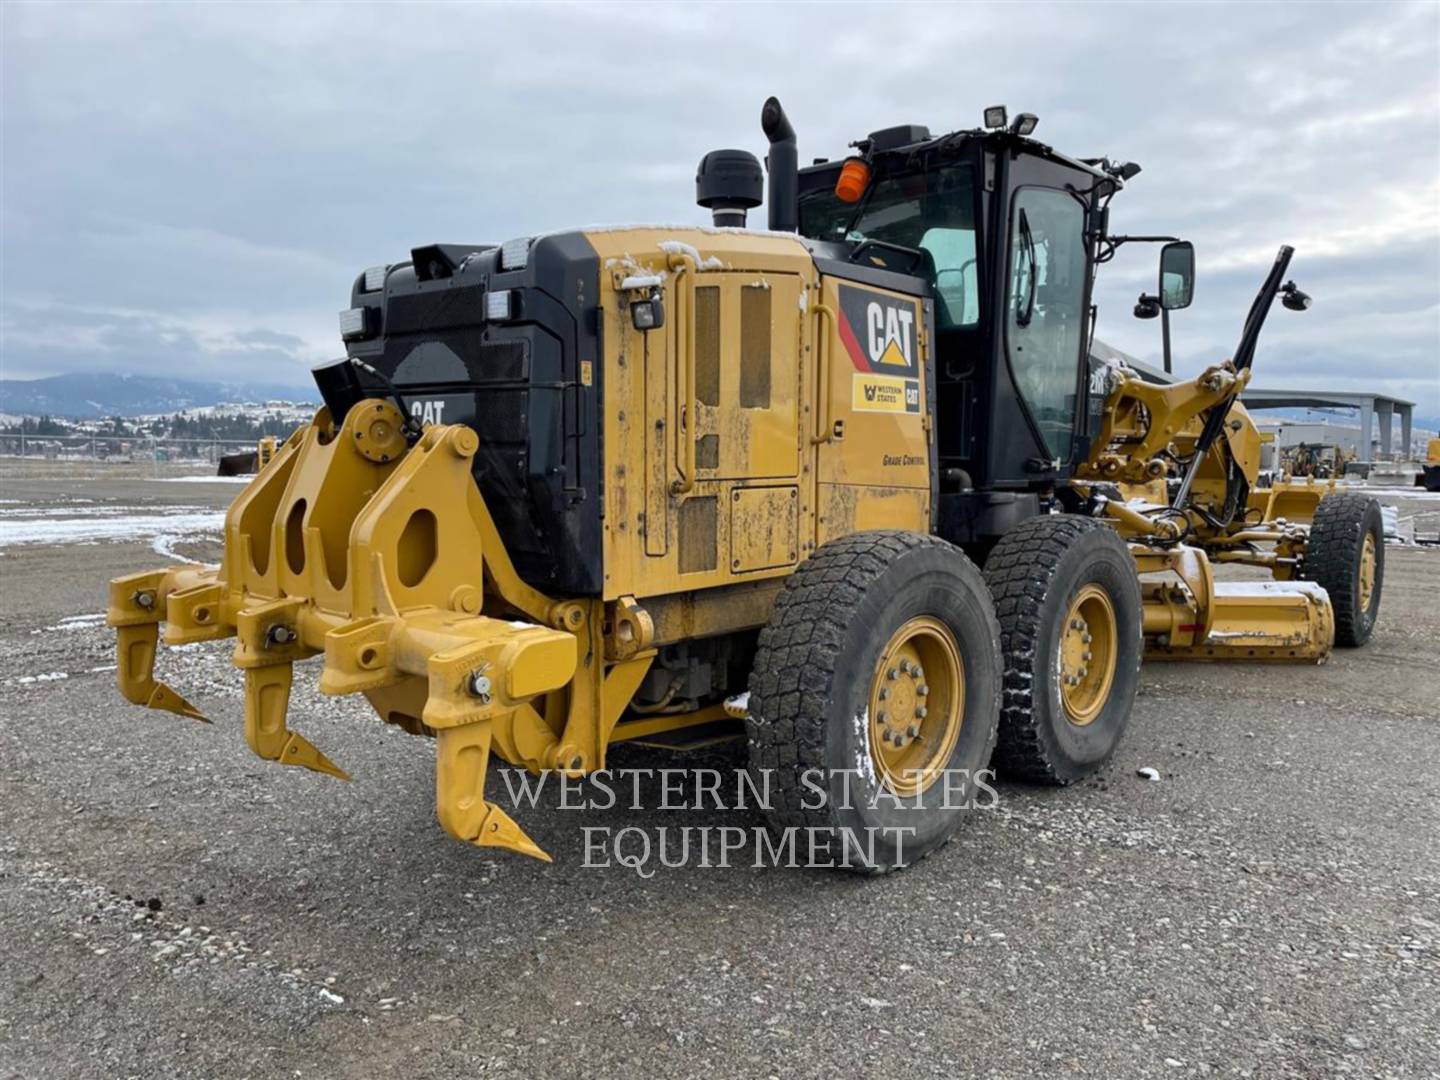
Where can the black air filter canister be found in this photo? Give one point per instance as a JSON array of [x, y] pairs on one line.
[[728, 183], [339, 387]]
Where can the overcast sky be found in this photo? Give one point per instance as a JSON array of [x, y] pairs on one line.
[[189, 189]]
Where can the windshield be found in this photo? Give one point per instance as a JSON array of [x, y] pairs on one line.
[[933, 211]]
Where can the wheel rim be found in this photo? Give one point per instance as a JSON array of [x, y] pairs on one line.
[[917, 705], [1367, 571], [1087, 655]]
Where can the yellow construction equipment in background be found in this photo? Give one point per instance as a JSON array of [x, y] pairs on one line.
[[654, 484]]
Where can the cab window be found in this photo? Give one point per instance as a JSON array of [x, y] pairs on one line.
[[933, 211], [1045, 309]]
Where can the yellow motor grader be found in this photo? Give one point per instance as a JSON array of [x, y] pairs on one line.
[[579, 489]]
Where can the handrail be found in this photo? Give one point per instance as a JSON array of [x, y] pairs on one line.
[[825, 429], [681, 262]]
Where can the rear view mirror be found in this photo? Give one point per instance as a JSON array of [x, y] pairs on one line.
[[1177, 275]]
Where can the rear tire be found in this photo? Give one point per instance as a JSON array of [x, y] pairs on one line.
[[828, 695], [1346, 556], [1068, 599]]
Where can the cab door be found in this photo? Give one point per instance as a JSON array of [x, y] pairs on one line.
[[1041, 321]]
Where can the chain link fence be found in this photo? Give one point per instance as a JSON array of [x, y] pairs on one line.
[[164, 454]]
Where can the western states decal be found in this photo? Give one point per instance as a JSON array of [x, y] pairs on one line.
[[881, 334]]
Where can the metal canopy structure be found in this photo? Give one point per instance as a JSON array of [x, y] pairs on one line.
[[1370, 406]]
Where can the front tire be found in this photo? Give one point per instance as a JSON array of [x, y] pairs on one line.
[[1068, 599], [875, 696], [1346, 556]]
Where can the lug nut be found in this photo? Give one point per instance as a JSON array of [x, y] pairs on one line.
[[915, 670], [880, 717], [921, 712], [480, 686], [1085, 656], [892, 674], [884, 693], [1075, 624], [913, 730], [1086, 639], [922, 690]]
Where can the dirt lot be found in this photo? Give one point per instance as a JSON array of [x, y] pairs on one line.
[[172, 906]]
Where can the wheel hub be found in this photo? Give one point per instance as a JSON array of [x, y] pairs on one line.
[[1367, 572], [1087, 655], [917, 698]]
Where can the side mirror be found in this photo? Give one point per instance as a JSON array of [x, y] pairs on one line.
[[1177, 275]]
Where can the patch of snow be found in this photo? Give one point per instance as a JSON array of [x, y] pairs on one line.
[[642, 281], [128, 523], [680, 247], [75, 622], [740, 703], [1396, 492], [1312, 589], [164, 546], [1140, 506], [804, 301], [864, 763], [202, 479], [49, 676]]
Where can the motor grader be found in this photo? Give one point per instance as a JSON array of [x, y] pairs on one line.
[[592, 487]]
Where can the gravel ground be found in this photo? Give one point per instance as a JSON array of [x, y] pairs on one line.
[[172, 906]]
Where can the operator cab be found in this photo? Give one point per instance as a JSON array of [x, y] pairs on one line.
[[1000, 231]]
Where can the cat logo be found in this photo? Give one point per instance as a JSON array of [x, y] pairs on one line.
[[879, 331], [428, 412], [890, 333]]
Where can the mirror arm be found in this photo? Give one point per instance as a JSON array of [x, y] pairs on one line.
[[1116, 241], [1165, 336]]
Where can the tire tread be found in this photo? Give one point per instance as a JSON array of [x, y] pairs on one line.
[[1019, 572]]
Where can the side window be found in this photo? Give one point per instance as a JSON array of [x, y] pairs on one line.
[[957, 281], [1045, 316]]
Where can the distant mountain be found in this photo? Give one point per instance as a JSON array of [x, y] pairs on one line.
[[97, 395]]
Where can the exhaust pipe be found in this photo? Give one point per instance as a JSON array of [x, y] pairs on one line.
[[784, 166]]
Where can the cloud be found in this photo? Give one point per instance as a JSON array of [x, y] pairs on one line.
[[194, 185]]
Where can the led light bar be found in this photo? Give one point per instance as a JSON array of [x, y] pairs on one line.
[[353, 324], [500, 305], [514, 254]]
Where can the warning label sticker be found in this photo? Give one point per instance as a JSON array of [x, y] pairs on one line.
[[884, 393]]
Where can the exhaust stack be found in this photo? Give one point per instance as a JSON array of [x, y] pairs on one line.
[[784, 167]]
